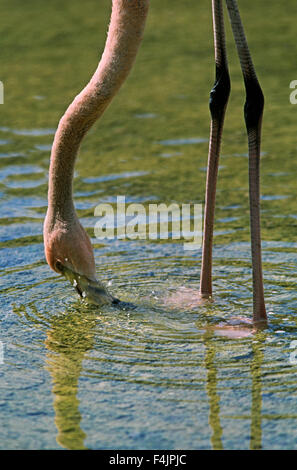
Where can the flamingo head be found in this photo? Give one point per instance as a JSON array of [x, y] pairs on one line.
[[68, 251]]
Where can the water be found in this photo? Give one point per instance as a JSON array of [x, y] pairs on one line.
[[171, 373]]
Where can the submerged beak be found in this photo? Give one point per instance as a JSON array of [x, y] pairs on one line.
[[92, 291]]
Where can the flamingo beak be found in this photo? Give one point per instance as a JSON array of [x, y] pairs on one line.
[[91, 290]]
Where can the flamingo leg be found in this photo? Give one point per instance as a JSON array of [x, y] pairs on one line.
[[218, 103], [253, 112]]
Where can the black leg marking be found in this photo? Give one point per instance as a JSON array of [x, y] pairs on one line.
[[220, 93], [254, 105]]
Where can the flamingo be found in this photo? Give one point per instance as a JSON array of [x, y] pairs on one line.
[[68, 249]]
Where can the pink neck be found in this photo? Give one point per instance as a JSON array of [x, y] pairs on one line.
[[123, 40]]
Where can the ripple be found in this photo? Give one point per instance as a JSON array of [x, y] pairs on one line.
[[11, 155], [185, 141], [273, 197], [44, 147], [172, 349], [113, 177], [29, 132], [19, 170], [170, 154], [146, 116]]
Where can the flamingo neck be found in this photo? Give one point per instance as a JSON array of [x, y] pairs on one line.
[[123, 40]]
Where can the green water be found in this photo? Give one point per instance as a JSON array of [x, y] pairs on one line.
[[167, 374]]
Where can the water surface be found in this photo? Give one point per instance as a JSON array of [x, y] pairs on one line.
[[171, 373]]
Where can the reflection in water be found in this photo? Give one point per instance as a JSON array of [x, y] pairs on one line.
[[211, 387], [74, 333], [68, 339], [214, 399], [256, 418], [69, 336]]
